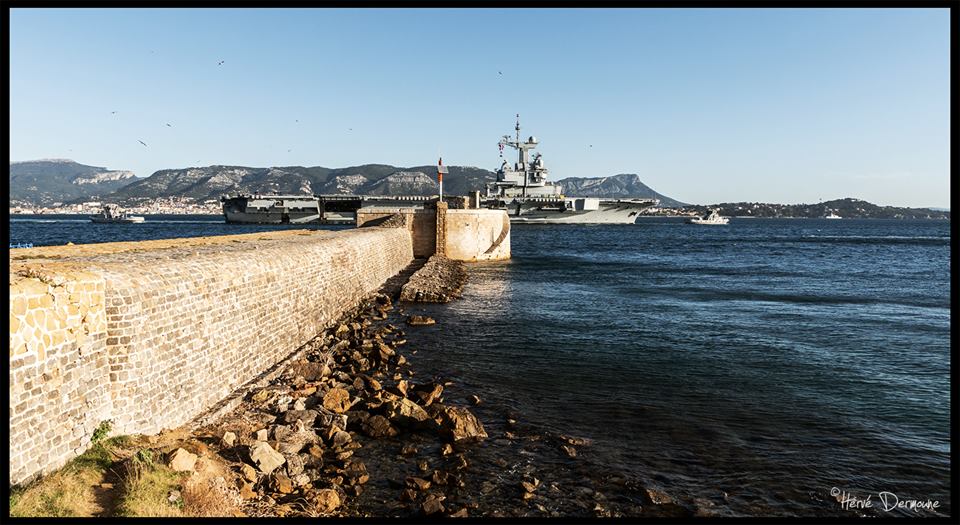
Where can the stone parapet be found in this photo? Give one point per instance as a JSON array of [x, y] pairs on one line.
[[150, 334]]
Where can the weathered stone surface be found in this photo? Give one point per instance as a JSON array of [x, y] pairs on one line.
[[405, 413], [265, 458], [378, 427], [420, 320], [182, 460], [326, 501], [228, 439], [433, 504], [337, 400], [310, 370], [308, 417], [460, 425], [249, 473]]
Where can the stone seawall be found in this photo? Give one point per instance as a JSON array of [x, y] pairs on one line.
[[150, 334]]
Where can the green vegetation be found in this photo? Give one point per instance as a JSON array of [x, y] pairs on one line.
[[146, 488]]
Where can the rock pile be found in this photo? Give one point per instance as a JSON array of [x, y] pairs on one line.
[[296, 453], [439, 281]]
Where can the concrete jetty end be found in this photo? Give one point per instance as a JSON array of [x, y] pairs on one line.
[[151, 334]]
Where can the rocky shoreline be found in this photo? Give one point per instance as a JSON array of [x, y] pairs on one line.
[[350, 429]]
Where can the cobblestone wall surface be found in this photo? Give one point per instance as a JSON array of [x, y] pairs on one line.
[[151, 334]]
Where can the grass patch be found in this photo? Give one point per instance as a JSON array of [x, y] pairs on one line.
[[70, 490], [146, 486]]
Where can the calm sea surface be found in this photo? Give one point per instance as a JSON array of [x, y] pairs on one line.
[[770, 359]]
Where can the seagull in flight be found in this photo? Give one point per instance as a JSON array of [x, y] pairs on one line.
[[169, 126], [113, 112], [591, 145], [500, 72], [220, 63], [142, 142], [289, 150]]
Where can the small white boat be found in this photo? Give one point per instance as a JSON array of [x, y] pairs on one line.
[[713, 218], [112, 214], [833, 216]]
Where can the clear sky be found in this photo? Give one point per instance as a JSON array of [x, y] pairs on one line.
[[775, 105]]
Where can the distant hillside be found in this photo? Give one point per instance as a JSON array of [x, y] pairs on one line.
[[617, 186], [848, 208], [44, 182], [77, 183], [203, 183]]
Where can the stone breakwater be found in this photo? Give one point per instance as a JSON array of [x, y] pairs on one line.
[[150, 334], [439, 281]]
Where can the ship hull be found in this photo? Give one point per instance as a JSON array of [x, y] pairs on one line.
[[607, 212]]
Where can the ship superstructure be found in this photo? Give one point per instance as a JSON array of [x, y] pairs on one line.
[[527, 196]]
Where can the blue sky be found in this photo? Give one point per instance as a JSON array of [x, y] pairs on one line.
[[775, 105]]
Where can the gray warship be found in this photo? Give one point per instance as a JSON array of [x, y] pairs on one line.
[[522, 190]]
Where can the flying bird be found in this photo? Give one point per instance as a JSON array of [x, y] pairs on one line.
[[500, 72], [220, 63], [289, 150], [591, 145], [169, 126], [113, 112], [142, 142]]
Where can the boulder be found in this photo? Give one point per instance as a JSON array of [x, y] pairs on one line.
[[326, 501], [308, 417], [282, 484], [182, 461], [432, 505], [460, 425], [420, 320], [378, 427], [405, 413], [429, 393], [309, 370], [262, 434], [337, 400], [265, 458], [228, 439]]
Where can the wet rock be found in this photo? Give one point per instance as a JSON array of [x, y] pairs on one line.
[[570, 451], [658, 497], [418, 483], [228, 439], [326, 501], [530, 485], [373, 385], [344, 455], [378, 427], [446, 449], [420, 320], [402, 387], [474, 400], [408, 449], [337, 400], [462, 513], [405, 413], [429, 393], [357, 472], [182, 461], [440, 478], [408, 495], [265, 457], [460, 425], [432, 505], [423, 465]]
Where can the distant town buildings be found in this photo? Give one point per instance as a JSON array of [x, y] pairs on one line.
[[162, 206]]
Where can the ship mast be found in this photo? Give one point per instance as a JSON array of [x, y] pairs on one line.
[[521, 157]]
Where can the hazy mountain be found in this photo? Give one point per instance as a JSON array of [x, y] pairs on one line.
[[44, 182], [211, 182], [617, 186]]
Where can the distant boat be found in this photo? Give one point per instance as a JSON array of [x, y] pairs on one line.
[[713, 218], [112, 214], [833, 216]]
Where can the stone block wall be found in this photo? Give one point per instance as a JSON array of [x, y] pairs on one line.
[[151, 334], [421, 223], [477, 235]]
